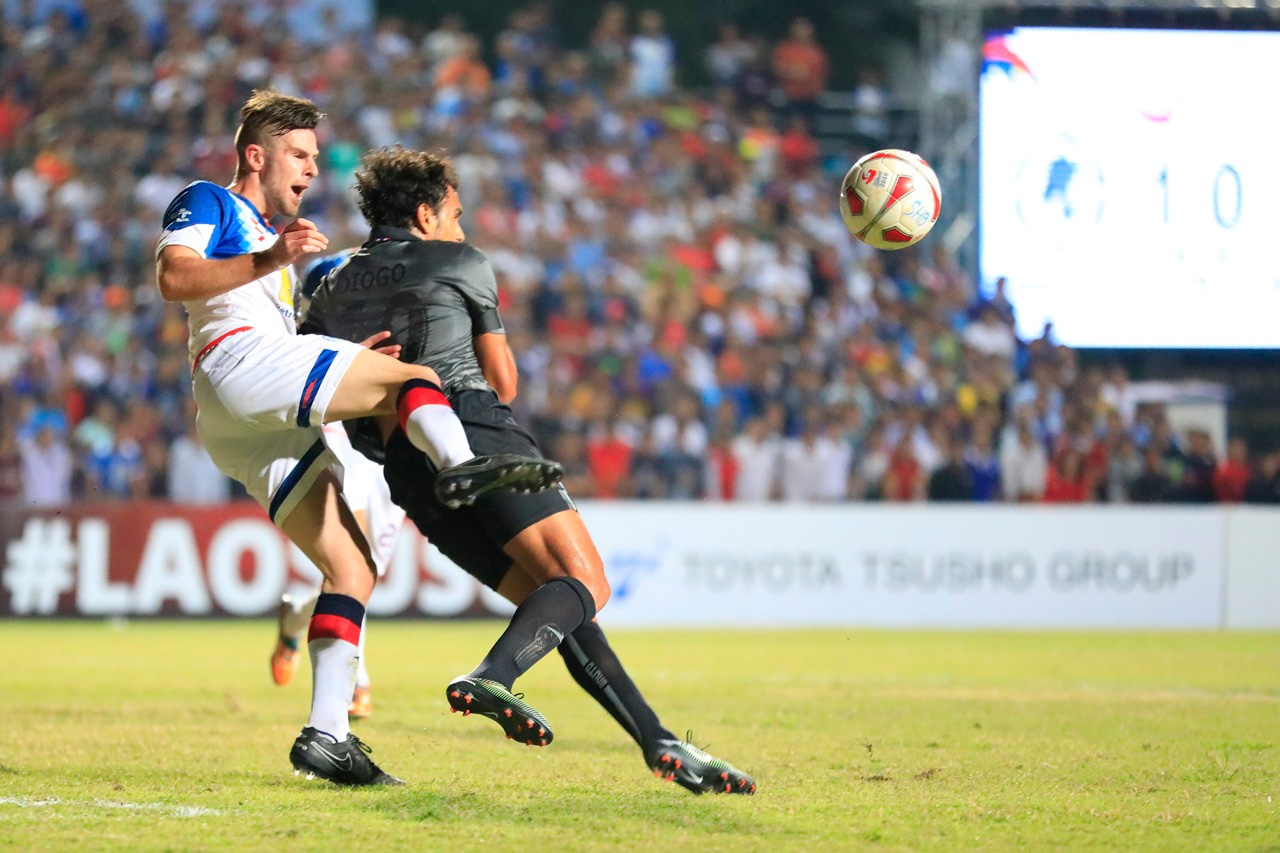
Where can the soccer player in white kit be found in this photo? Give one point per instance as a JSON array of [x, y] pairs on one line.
[[263, 392]]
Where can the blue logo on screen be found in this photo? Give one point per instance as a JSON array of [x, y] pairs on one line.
[[628, 568], [1059, 187], [1060, 172]]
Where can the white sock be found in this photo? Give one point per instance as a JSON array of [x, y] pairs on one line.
[[334, 645], [333, 680], [362, 674], [431, 425]]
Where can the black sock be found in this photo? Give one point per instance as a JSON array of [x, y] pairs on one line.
[[552, 612], [598, 671]]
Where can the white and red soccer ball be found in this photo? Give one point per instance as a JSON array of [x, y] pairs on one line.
[[890, 199]]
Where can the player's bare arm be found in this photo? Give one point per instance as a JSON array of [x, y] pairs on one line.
[[497, 363], [183, 275]]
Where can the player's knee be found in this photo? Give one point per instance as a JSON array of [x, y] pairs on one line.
[[600, 590], [591, 603], [350, 576], [423, 372], [597, 584]]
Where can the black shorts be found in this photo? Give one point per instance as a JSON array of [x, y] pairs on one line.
[[472, 536]]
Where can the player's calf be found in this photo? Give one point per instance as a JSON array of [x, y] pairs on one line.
[[542, 620]]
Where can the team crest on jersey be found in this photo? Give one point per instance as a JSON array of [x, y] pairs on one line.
[[182, 216]]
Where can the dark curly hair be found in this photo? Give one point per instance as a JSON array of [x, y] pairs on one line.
[[268, 114], [392, 182]]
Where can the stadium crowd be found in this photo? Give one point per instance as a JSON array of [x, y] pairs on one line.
[[690, 316]]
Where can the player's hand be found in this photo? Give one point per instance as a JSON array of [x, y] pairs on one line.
[[300, 237], [373, 340]]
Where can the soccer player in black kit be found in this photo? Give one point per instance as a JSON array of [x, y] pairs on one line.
[[437, 295]]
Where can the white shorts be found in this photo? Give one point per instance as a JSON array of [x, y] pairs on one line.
[[365, 490], [261, 402]]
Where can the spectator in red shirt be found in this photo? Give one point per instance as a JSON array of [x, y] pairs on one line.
[[800, 64], [798, 148], [905, 479], [722, 468], [1067, 482], [12, 115], [609, 461], [1232, 475], [465, 71]]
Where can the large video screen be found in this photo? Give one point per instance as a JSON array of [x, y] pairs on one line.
[[1130, 184]]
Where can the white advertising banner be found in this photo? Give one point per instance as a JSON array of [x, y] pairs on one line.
[[946, 566], [1253, 563], [701, 564]]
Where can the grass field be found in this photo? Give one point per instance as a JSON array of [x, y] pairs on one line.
[[170, 735]]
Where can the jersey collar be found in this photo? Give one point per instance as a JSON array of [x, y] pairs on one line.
[[379, 233], [258, 213]]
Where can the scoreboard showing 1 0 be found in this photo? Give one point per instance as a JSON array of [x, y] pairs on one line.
[[1129, 182], [1227, 192]]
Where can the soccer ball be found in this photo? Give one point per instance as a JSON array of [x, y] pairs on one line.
[[890, 199]]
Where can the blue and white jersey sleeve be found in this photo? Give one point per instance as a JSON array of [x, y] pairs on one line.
[[197, 219], [214, 222]]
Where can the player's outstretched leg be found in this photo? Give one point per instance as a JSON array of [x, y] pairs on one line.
[[554, 610], [431, 425], [377, 385], [462, 484], [594, 665]]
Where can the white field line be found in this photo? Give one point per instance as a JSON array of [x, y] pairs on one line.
[[163, 808]]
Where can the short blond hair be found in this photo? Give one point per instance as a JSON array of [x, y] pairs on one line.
[[268, 114]]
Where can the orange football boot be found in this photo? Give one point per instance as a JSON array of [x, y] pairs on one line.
[[285, 659], [284, 662], [361, 704]]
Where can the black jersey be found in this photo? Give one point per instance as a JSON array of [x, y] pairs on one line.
[[433, 296]]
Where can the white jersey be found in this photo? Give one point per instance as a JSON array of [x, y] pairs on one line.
[[218, 223]]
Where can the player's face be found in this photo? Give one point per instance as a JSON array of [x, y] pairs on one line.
[[289, 166], [447, 222]]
